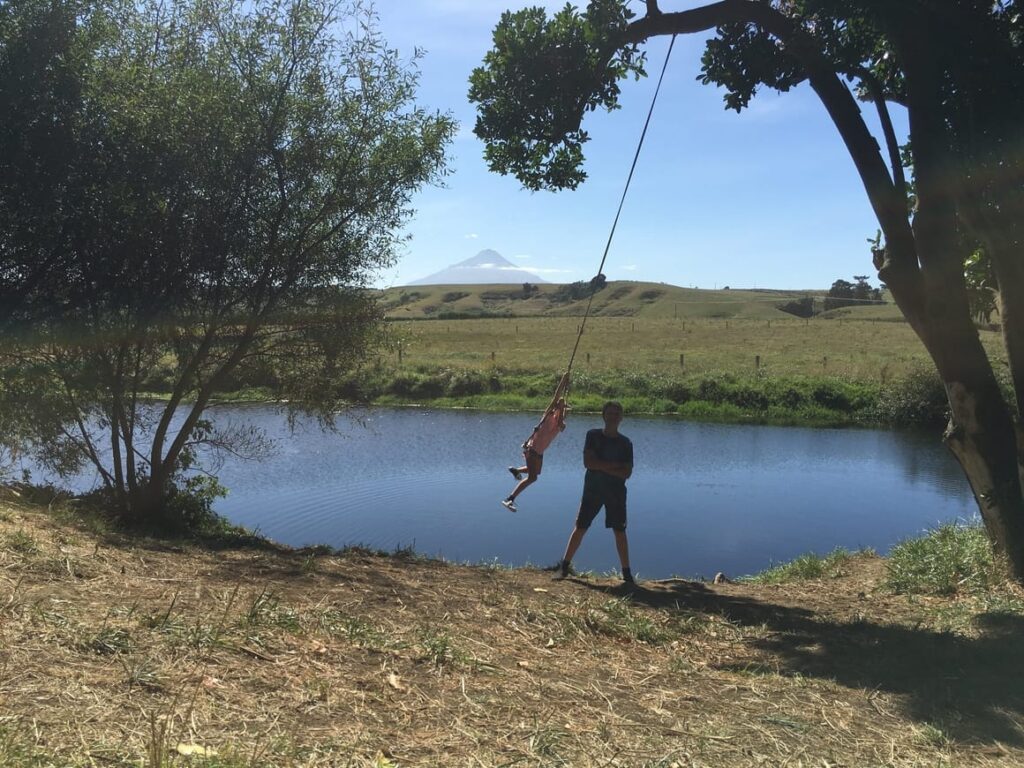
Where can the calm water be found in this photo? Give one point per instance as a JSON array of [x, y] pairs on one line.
[[703, 498]]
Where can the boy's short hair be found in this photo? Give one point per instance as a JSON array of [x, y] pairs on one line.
[[611, 404]]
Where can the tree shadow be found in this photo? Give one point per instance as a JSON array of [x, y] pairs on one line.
[[972, 688]]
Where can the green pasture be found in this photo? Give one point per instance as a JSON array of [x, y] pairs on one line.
[[860, 349]]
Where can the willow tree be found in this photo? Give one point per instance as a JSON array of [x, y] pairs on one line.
[[196, 192], [958, 69]]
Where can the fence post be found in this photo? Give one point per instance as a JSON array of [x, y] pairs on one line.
[[682, 360], [588, 357], [399, 354], [824, 362], [492, 355], [757, 362]]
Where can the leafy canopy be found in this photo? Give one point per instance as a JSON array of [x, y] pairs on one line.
[[558, 68], [193, 196]]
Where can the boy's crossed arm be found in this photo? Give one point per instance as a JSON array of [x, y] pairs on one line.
[[620, 469]]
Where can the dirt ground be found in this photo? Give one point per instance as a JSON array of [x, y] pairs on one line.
[[119, 651]]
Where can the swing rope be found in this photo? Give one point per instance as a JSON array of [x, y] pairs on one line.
[[622, 200]]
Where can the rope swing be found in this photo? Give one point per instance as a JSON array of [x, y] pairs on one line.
[[622, 200]]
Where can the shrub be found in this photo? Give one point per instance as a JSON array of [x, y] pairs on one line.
[[952, 558], [678, 391], [466, 383], [919, 398], [809, 566]]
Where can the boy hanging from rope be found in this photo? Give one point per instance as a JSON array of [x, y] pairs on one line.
[[547, 429]]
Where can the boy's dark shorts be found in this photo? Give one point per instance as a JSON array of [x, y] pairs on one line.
[[612, 499], [534, 461]]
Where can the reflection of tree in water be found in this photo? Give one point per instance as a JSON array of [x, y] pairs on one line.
[[922, 457]]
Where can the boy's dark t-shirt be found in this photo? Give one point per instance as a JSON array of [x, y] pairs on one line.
[[617, 448]]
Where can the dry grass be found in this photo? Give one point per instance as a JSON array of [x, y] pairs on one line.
[[127, 652]]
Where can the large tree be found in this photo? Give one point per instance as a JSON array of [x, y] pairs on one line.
[[957, 66], [192, 192]]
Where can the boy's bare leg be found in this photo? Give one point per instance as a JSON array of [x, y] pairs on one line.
[[575, 539], [622, 545], [522, 484]]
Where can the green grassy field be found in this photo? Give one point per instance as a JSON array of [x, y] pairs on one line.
[[861, 349], [730, 355]]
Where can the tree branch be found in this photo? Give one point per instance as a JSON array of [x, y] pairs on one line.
[[878, 97], [900, 262]]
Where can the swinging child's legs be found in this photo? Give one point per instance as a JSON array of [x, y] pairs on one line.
[[534, 464]]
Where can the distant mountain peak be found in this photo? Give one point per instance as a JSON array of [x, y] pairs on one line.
[[486, 257], [487, 267]]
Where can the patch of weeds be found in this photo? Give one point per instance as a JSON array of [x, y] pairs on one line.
[[362, 550], [809, 566], [15, 751], [317, 691], [5, 516], [22, 542], [785, 722], [672, 760], [197, 636], [358, 631], [63, 539], [952, 558], [408, 553], [310, 564], [545, 741], [756, 669], [110, 641], [141, 673], [931, 736], [680, 664], [266, 610], [622, 619], [690, 624], [439, 649], [493, 566]]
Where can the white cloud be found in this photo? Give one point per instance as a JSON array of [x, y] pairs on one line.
[[522, 256], [471, 236], [630, 267], [551, 271]]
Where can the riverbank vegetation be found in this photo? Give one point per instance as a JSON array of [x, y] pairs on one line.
[[243, 653], [815, 372]]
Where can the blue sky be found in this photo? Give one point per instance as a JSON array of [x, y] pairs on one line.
[[768, 198]]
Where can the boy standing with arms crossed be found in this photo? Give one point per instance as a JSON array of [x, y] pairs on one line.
[[608, 458]]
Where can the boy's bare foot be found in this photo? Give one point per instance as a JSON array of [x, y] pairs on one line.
[[516, 473], [509, 505]]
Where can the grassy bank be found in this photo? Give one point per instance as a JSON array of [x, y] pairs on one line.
[[781, 371], [126, 652], [918, 399]]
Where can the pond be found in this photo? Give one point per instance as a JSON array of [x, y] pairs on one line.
[[703, 497]]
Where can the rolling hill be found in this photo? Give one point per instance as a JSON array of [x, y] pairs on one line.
[[621, 298]]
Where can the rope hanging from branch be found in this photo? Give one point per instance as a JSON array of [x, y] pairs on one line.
[[595, 282]]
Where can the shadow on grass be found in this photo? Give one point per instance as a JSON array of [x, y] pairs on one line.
[[971, 688]]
